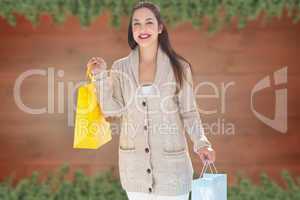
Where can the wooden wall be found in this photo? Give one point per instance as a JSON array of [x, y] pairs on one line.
[[43, 142]]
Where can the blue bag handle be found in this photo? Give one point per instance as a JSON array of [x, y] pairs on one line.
[[207, 163]]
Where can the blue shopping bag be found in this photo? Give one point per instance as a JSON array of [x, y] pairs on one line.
[[210, 186]]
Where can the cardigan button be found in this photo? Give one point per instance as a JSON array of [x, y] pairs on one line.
[[146, 149], [150, 189], [144, 103], [149, 171], [145, 127]]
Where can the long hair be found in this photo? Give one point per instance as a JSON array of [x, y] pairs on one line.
[[163, 40]]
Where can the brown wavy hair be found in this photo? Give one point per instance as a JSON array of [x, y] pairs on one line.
[[163, 40]]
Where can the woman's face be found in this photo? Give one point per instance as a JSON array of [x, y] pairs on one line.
[[145, 27]]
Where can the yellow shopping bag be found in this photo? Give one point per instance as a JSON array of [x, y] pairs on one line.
[[91, 128]]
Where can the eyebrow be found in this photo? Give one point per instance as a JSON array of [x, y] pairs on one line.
[[148, 19]]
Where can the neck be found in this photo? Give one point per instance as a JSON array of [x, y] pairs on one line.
[[148, 54]]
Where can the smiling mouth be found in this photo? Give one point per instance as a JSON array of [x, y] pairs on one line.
[[144, 36]]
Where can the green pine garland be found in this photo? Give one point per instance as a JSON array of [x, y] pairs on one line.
[[103, 186], [173, 11]]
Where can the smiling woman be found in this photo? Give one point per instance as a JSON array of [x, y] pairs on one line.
[[154, 160]]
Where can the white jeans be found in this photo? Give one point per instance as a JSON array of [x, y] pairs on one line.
[[146, 196]]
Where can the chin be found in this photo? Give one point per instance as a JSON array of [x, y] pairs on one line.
[[146, 43]]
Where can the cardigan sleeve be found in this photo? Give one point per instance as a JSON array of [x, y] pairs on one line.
[[109, 92], [189, 112]]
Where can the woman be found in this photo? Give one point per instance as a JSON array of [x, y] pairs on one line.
[[153, 163]]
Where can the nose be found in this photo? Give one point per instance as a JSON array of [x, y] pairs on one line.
[[143, 27]]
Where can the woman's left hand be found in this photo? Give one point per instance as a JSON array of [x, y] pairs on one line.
[[207, 153]]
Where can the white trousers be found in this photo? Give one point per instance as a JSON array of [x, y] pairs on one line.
[[146, 196]]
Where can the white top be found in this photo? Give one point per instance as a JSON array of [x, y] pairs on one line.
[[147, 89]]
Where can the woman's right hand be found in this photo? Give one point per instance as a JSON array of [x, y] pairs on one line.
[[97, 65]]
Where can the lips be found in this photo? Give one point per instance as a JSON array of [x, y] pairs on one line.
[[144, 36]]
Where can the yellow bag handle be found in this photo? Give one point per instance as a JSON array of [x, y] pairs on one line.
[[89, 74]]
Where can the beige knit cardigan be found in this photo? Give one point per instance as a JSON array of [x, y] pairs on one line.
[[153, 151]]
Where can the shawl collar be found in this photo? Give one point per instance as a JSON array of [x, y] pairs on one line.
[[163, 66]]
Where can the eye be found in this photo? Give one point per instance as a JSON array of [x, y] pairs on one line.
[[135, 24], [149, 23]]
